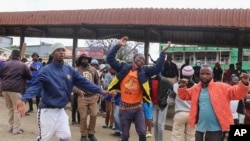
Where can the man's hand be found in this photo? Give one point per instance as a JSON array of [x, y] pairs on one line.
[[20, 106], [81, 94], [244, 77], [112, 93], [183, 83], [123, 41], [96, 97], [166, 46]]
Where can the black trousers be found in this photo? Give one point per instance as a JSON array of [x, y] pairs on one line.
[[208, 136], [31, 102], [74, 107]]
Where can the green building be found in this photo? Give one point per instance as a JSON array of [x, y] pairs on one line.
[[208, 55]]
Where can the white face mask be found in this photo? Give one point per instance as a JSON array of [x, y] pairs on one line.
[[198, 64]]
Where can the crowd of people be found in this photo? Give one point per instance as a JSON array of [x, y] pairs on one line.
[[206, 100]]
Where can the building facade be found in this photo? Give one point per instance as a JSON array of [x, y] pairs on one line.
[[208, 55]]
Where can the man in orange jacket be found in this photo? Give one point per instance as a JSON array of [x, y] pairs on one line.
[[210, 104]]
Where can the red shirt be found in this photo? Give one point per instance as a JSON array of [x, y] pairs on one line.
[[154, 90]]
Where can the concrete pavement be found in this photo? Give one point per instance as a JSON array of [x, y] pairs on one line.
[[29, 124]]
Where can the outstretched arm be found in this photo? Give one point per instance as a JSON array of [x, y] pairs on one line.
[[240, 90], [151, 58], [157, 67], [111, 57], [183, 92]]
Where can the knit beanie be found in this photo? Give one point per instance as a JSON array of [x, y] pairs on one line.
[[56, 46], [188, 71]]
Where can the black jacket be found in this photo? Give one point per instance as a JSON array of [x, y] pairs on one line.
[[165, 88]]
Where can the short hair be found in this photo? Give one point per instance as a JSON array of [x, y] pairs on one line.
[[207, 66], [15, 54], [24, 60], [232, 76], [238, 64], [137, 55]]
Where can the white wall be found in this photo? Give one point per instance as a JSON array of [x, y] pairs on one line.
[[6, 41]]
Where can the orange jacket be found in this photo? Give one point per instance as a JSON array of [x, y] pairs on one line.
[[220, 96]]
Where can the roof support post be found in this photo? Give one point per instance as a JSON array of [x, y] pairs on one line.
[[146, 44], [22, 38], [75, 44], [241, 40]]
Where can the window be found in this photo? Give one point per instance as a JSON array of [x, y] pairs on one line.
[[178, 58], [246, 58]]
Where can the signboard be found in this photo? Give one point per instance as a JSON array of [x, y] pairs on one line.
[[68, 52], [94, 52]]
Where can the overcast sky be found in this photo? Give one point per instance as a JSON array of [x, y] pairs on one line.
[[37, 5], [34, 5]]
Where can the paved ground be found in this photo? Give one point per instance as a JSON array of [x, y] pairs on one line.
[[30, 127]]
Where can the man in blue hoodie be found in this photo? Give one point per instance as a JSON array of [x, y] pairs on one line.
[[55, 82]]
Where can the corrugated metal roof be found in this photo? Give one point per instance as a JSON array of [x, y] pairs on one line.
[[132, 16]]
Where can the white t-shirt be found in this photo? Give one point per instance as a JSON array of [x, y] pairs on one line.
[[234, 105]]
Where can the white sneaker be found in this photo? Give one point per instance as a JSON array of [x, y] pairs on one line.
[[148, 135]]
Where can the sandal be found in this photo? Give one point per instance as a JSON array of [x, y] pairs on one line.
[[21, 131]]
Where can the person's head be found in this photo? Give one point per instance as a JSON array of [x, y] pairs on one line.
[[187, 72], [138, 61], [206, 74], [44, 63], [187, 61], [234, 79], [238, 65], [198, 63], [40, 59], [84, 60], [111, 70], [15, 54], [169, 58], [94, 63], [24, 60], [35, 56], [103, 68], [217, 64], [58, 52], [231, 67]]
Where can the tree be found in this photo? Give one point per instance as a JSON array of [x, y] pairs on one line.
[[125, 54]]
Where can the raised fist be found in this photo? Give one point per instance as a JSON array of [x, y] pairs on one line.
[[183, 83], [244, 77], [166, 46], [123, 41]]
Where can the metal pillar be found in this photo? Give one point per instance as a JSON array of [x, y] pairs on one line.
[[75, 44], [146, 47]]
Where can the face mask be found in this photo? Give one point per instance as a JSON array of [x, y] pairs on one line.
[[198, 64], [84, 64]]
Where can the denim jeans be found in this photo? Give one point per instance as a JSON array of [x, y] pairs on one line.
[[136, 116], [117, 120], [159, 119]]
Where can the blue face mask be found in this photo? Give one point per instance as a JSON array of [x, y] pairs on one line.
[[198, 64]]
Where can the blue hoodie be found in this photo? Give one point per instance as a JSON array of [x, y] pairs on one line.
[[55, 82]]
